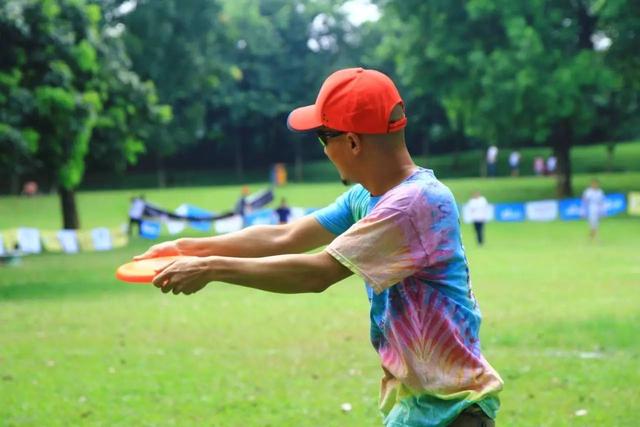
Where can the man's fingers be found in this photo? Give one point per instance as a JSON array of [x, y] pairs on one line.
[[162, 279]]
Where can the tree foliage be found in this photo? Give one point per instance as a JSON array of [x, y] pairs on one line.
[[62, 80], [512, 73]]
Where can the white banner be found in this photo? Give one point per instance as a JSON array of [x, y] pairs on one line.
[[466, 213], [228, 225], [29, 240], [173, 226], [296, 213], [69, 241], [3, 252], [543, 210], [101, 238]]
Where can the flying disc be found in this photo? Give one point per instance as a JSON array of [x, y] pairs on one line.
[[143, 271]]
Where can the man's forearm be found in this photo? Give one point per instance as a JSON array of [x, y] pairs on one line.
[[256, 241], [260, 240], [281, 273]]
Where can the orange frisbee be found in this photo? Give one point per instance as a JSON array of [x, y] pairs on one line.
[[143, 271]]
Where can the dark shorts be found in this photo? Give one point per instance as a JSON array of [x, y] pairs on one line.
[[473, 416]]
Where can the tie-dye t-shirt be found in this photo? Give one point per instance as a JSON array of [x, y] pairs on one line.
[[425, 321]]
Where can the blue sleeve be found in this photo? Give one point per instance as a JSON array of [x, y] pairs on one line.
[[336, 217]]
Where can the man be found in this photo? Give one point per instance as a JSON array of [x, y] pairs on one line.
[[478, 213], [398, 229], [283, 212], [492, 160], [593, 207], [242, 206], [136, 212], [514, 163]]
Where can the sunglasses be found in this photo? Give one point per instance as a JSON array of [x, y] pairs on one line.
[[325, 135]]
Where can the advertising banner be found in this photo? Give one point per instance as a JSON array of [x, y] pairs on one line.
[[509, 212], [542, 210]]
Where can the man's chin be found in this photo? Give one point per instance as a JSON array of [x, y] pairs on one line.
[[345, 182]]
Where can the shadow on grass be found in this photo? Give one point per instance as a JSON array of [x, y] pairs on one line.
[[59, 276]]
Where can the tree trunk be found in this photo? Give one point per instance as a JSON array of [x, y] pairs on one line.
[[563, 140], [69, 211], [161, 172]]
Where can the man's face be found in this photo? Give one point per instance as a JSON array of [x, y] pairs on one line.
[[337, 148]]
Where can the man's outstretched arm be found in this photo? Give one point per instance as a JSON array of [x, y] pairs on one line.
[[296, 273], [256, 241]]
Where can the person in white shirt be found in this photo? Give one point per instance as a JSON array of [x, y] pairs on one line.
[[514, 163], [136, 211], [552, 162], [478, 213], [593, 206], [492, 159]]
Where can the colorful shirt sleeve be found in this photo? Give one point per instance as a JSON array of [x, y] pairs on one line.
[[337, 217], [383, 248]]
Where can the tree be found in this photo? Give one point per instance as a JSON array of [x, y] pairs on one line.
[[180, 45], [61, 70], [511, 73]]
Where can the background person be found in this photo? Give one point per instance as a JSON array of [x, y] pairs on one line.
[[538, 166], [478, 211], [283, 212], [593, 207], [514, 163], [492, 160], [552, 163], [242, 206], [136, 212], [398, 229]]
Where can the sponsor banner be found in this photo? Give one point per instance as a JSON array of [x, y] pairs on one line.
[[614, 204], [196, 212], [3, 251], [489, 214], [297, 213], [29, 240], [60, 241], [228, 224], [149, 229], [259, 199], [509, 212], [68, 241], [262, 216], [173, 226], [101, 239], [634, 203], [542, 210], [571, 209]]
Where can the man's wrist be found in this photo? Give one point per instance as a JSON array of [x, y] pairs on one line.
[[211, 265], [180, 246]]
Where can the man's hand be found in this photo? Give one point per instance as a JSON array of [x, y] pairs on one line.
[[186, 275], [161, 249]]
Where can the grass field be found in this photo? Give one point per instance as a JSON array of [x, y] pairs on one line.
[[78, 348]]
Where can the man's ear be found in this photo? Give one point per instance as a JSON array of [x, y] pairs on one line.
[[355, 142]]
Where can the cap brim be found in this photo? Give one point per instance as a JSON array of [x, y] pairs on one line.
[[304, 119]]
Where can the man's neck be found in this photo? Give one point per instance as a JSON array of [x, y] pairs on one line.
[[385, 175]]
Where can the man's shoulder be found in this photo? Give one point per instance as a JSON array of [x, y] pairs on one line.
[[422, 190]]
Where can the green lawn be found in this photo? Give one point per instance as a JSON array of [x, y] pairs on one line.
[[109, 208], [591, 159], [79, 348]]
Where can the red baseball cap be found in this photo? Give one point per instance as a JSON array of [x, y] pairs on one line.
[[351, 100]]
